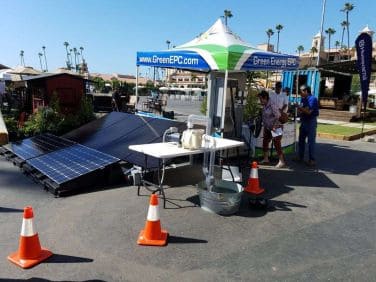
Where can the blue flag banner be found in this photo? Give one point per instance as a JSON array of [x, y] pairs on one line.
[[173, 59], [364, 54], [270, 61]]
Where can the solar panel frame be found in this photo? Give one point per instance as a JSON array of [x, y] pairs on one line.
[[71, 162]]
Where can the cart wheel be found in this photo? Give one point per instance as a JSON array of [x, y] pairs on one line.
[[258, 203]]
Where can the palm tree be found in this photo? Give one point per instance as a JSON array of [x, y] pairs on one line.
[[168, 42], [300, 49], [313, 51], [66, 44], [337, 44], [278, 27], [75, 57], [343, 25], [346, 9], [227, 14], [330, 31], [82, 56], [269, 33], [70, 58], [45, 58], [22, 58], [40, 60]]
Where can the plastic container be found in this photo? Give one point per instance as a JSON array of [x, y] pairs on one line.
[[192, 138], [224, 199]]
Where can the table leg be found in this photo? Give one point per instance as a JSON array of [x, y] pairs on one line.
[[159, 186]]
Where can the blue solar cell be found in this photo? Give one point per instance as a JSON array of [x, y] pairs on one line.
[[71, 162], [38, 145]]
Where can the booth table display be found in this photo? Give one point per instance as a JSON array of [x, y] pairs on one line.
[[170, 150]]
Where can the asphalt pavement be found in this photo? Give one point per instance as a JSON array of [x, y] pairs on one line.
[[320, 225]]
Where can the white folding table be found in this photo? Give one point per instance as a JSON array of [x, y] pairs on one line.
[[169, 150]]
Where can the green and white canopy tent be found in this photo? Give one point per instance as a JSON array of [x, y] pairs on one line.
[[217, 50]]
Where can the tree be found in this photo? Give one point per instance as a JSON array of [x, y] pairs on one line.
[[82, 56], [330, 31], [115, 83], [278, 27], [70, 57], [346, 9], [22, 57], [75, 57], [45, 58], [99, 83], [168, 42], [66, 44], [313, 51], [343, 25], [40, 60], [227, 14], [337, 44], [300, 49], [269, 33]]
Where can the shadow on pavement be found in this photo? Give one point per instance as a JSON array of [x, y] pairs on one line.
[[277, 179], [246, 210], [2, 209], [170, 201], [344, 160], [184, 240], [57, 258]]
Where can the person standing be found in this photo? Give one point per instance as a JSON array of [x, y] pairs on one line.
[[279, 97], [309, 111], [279, 100], [116, 100], [272, 129]]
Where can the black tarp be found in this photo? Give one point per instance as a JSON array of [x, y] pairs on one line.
[[116, 131]]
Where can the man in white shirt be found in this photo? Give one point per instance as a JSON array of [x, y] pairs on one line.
[[279, 98]]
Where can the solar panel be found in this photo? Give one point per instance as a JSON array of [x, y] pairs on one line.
[[38, 145], [71, 162], [120, 130]]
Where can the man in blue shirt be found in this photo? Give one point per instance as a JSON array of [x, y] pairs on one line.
[[308, 110]]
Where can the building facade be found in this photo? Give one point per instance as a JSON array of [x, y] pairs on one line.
[[187, 79]]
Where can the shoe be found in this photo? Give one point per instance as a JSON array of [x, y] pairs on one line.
[[280, 165], [264, 162], [311, 163]]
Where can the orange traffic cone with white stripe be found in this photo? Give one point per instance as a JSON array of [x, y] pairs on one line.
[[253, 185], [152, 234], [29, 251]]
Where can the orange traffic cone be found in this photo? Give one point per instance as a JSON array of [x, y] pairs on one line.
[[152, 234], [29, 251], [253, 186]]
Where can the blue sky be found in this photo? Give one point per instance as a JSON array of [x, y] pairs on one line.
[[112, 31]]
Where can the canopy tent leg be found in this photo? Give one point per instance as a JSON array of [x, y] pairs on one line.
[[209, 99], [224, 104], [137, 69]]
